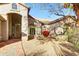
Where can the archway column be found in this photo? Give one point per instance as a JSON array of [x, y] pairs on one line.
[[3, 29], [24, 28]]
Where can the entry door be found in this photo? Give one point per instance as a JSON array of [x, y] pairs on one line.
[[17, 30], [17, 25], [14, 25]]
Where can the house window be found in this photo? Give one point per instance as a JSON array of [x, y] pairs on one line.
[[14, 6], [32, 31]]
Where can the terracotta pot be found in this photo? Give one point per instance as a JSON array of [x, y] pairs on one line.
[[45, 33]]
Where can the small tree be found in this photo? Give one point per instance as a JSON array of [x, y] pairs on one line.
[[55, 8]]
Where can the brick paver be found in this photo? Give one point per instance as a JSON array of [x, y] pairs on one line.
[[36, 48], [11, 48]]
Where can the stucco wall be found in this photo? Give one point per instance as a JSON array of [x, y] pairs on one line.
[[7, 8], [4, 30], [0, 30], [4, 9], [24, 27]]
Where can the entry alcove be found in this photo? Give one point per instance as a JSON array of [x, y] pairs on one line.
[[14, 25]]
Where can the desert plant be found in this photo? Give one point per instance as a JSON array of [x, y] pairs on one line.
[[30, 37], [73, 36]]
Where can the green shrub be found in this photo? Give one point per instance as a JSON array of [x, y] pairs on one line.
[[30, 37]]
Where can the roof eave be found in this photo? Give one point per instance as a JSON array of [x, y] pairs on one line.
[[24, 5]]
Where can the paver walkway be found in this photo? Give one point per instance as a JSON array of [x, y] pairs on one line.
[[4, 43], [11, 48], [36, 48], [50, 48]]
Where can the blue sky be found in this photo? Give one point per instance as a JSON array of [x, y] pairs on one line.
[[38, 12]]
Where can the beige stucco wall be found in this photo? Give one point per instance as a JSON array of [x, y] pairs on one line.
[[0, 30], [7, 8], [24, 26], [4, 9], [4, 32]]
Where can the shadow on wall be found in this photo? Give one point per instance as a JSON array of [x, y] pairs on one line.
[[24, 34]]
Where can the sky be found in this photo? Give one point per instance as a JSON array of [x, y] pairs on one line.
[[39, 11]]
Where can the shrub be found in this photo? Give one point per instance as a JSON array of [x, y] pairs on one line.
[[30, 37]]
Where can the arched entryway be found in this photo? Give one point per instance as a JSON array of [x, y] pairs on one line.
[[14, 25]]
